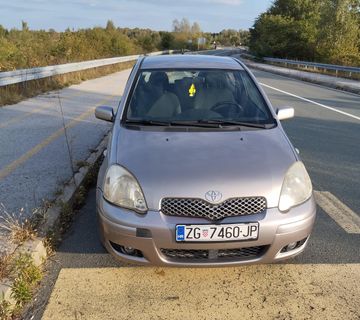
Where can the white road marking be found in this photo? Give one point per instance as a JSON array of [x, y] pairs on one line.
[[311, 101], [339, 212]]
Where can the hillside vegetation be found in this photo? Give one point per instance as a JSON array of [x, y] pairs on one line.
[[27, 48], [322, 30]]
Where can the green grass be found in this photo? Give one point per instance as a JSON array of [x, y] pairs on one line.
[[5, 310], [26, 276]]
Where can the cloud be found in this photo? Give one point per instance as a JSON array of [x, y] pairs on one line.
[[213, 15]]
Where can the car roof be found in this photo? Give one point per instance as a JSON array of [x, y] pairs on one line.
[[187, 61]]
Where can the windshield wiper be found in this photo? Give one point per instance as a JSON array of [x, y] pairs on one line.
[[211, 123], [149, 122], [172, 123], [195, 123], [238, 123]]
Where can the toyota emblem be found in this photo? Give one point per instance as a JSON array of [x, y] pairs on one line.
[[213, 196]]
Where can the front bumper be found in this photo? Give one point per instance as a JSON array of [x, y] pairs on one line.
[[154, 231]]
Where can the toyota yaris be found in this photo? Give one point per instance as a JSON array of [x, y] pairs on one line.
[[198, 169]]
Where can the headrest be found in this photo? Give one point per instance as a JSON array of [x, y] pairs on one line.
[[159, 78], [216, 79]]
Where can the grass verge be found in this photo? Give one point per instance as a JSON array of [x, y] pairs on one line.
[[18, 269], [19, 228], [23, 274], [14, 93], [26, 276], [5, 309]]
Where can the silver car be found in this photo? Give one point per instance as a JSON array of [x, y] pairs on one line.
[[199, 171]]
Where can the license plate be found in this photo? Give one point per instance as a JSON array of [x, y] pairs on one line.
[[216, 233]]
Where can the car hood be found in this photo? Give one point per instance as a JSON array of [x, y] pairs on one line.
[[188, 164]]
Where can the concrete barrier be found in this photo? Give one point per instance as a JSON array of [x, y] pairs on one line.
[[325, 80]]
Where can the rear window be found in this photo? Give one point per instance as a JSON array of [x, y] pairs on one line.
[[172, 95]]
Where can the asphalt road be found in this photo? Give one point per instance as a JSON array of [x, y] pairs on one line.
[[321, 279], [328, 141], [37, 155]]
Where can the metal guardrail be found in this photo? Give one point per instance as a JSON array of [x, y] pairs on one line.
[[306, 64], [22, 75]]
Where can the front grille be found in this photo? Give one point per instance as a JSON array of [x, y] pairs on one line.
[[188, 207], [185, 254], [211, 255]]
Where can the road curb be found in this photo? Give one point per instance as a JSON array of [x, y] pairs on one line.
[[37, 248], [72, 186]]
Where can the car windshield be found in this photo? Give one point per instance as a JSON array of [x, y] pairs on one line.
[[201, 96]]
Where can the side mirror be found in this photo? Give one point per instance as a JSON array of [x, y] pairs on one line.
[[285, 113], [104, 113]]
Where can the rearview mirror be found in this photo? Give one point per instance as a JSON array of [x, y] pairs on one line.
[[285, 113], [104, 113]]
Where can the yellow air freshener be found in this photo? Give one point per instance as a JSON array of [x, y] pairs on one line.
[[192, 90]]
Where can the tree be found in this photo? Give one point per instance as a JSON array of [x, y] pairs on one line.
[[339, 37], [185, 34], [3, 31], [110, 26], [24, 26], [195, 29], [293, 25], [167, 40], [182, 26], [323, 30], [244, 36], [176, 25]]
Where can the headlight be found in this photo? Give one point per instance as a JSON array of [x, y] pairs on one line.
[[122, 189], [296, 187]]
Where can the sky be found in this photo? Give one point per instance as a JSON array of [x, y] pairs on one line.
[[212, 15]]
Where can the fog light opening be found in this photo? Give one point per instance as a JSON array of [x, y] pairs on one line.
[[293, 245], [127, 250]]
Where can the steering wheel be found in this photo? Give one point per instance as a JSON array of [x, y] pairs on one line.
[[225, 108]]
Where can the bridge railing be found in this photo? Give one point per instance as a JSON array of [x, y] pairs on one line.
[[23, 75], [314, 65]]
